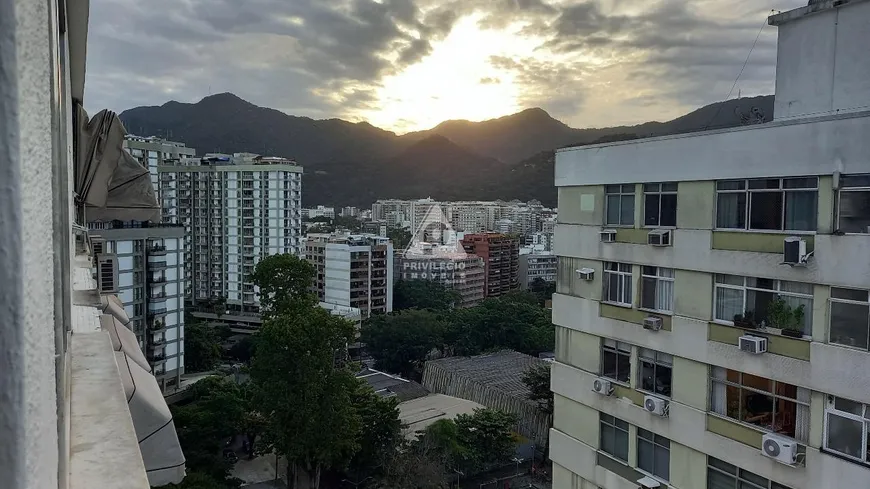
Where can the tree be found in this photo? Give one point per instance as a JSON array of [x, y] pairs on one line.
[[202, 348], [200, 480], [400, 342], [415, 466], [243, 350], [501, 323], [380, 434], [401, 237], [424, 294], [284, 281], [537, 379], [488, 437], [542, 289], [306, 400]]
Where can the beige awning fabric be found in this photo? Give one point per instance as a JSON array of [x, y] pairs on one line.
[[108, 179], [124, 340], [112, 305]]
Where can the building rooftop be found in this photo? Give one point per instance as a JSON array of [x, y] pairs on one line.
[[814, 6], [387, 385], [502, 370]]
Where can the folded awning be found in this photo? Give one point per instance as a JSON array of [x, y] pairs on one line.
[[124, 340]]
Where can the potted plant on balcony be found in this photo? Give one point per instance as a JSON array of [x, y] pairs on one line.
[[789, 320], [745, 320], [794, 328]]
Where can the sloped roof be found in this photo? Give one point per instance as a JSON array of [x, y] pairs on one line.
[[387, 385], [501, 370]]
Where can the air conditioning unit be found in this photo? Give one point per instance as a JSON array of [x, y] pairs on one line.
[[794, 251], [753, 344], [655, 405], [652, 323], [659, 237], [107, 274], [98, 246], [780, 448], [648, 482], [608, 235], [602, 386], [586, 273]]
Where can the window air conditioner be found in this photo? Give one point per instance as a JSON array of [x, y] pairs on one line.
[[659, 237], [648, 482], [602, 386], [753, 344], [655, 405], [107, 274], [608, 235], [586, 273], [794, 251], [779, 448], [98, 246], [652, 323]]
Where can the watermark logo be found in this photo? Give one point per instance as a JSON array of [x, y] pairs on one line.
[[435, 251]]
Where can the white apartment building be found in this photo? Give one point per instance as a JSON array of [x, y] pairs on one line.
[[396, 213], [713, 296], [236, 209], [319, 211], [153, 152], [536, 263]]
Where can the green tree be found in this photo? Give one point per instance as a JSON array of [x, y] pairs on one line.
[[243, 350], [306, 400], [400, 342], [200, 480], [202, 348], [424, 294], [284, 281], [542, 289], [401, 237], [415, 466], [537, 379], [488, 437], [501, 323], [380, 434]]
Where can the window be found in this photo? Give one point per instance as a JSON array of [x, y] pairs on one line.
[[653, 454], [745, 301], [614, 437], [657, 289], [722, 475], [619, 205], [660, 204], [615, 360], [617, 283], [847, 424], [767, 204], [772, 406], [850, 318], [655, 371], [853, 204]]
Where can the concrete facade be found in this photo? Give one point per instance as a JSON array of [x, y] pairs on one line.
[[537, 265], [718, 279], [464, 274], [500, 254]]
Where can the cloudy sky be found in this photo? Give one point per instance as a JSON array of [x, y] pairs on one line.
[[409, 64]]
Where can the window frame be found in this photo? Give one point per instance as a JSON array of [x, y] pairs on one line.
[[846, 188], [615, 425], [747, 191], [656, 361], [648, 189], [625, 285], [622, 193], [864, 418], [777, 291], [654, 441], [658, 278], [837, 300], [617, 348], [741, 482]]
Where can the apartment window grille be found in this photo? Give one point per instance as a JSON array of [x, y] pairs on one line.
[[660, 204], [847, 425], [770, 405], [657, 289], [850, 318], [772, 204], [614, 437], [653, 454], [722, 475], [853, 204], [615, 360], [745, 300], [656, 371], [619, 205], [617, 283]]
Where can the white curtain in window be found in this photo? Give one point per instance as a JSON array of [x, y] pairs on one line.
[[800, 211], [729, 303], [728, 211], [802, 415], [665, 295], [718, 399]]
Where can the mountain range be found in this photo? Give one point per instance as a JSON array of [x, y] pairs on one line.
[[348, 163]]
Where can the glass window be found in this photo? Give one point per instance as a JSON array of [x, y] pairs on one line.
[[847, 424], [767, 204], [614, 437], [772, 406], [619, 205], [722, 475], [850, 318], [653, 454], [617, 283], [660, 204], [853, 204], [655, 371], [615, 360], [752, 302], [657, 289]]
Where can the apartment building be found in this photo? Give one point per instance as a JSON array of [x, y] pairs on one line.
[[153, 152], [500, 254], [713, 296], [461, 272], [319, 211], [353, 271], [236, 209], [537, 264], [151, 288], [396, 213]]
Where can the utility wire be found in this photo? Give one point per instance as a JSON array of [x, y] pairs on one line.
[[745, 62]]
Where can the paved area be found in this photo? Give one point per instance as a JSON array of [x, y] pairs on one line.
[[260, 470]]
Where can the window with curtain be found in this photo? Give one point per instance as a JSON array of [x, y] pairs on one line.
[[619, 205], [653, 454], [614, 437], [615, 360], [657, 289], [773, 406], [617, 283], [655, 372], [722, 475], [847, 425], [660, 204], [738, 299], [774, 204], [853, 204], [850, 318]]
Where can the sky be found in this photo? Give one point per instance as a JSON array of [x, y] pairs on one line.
[[407, 65]]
